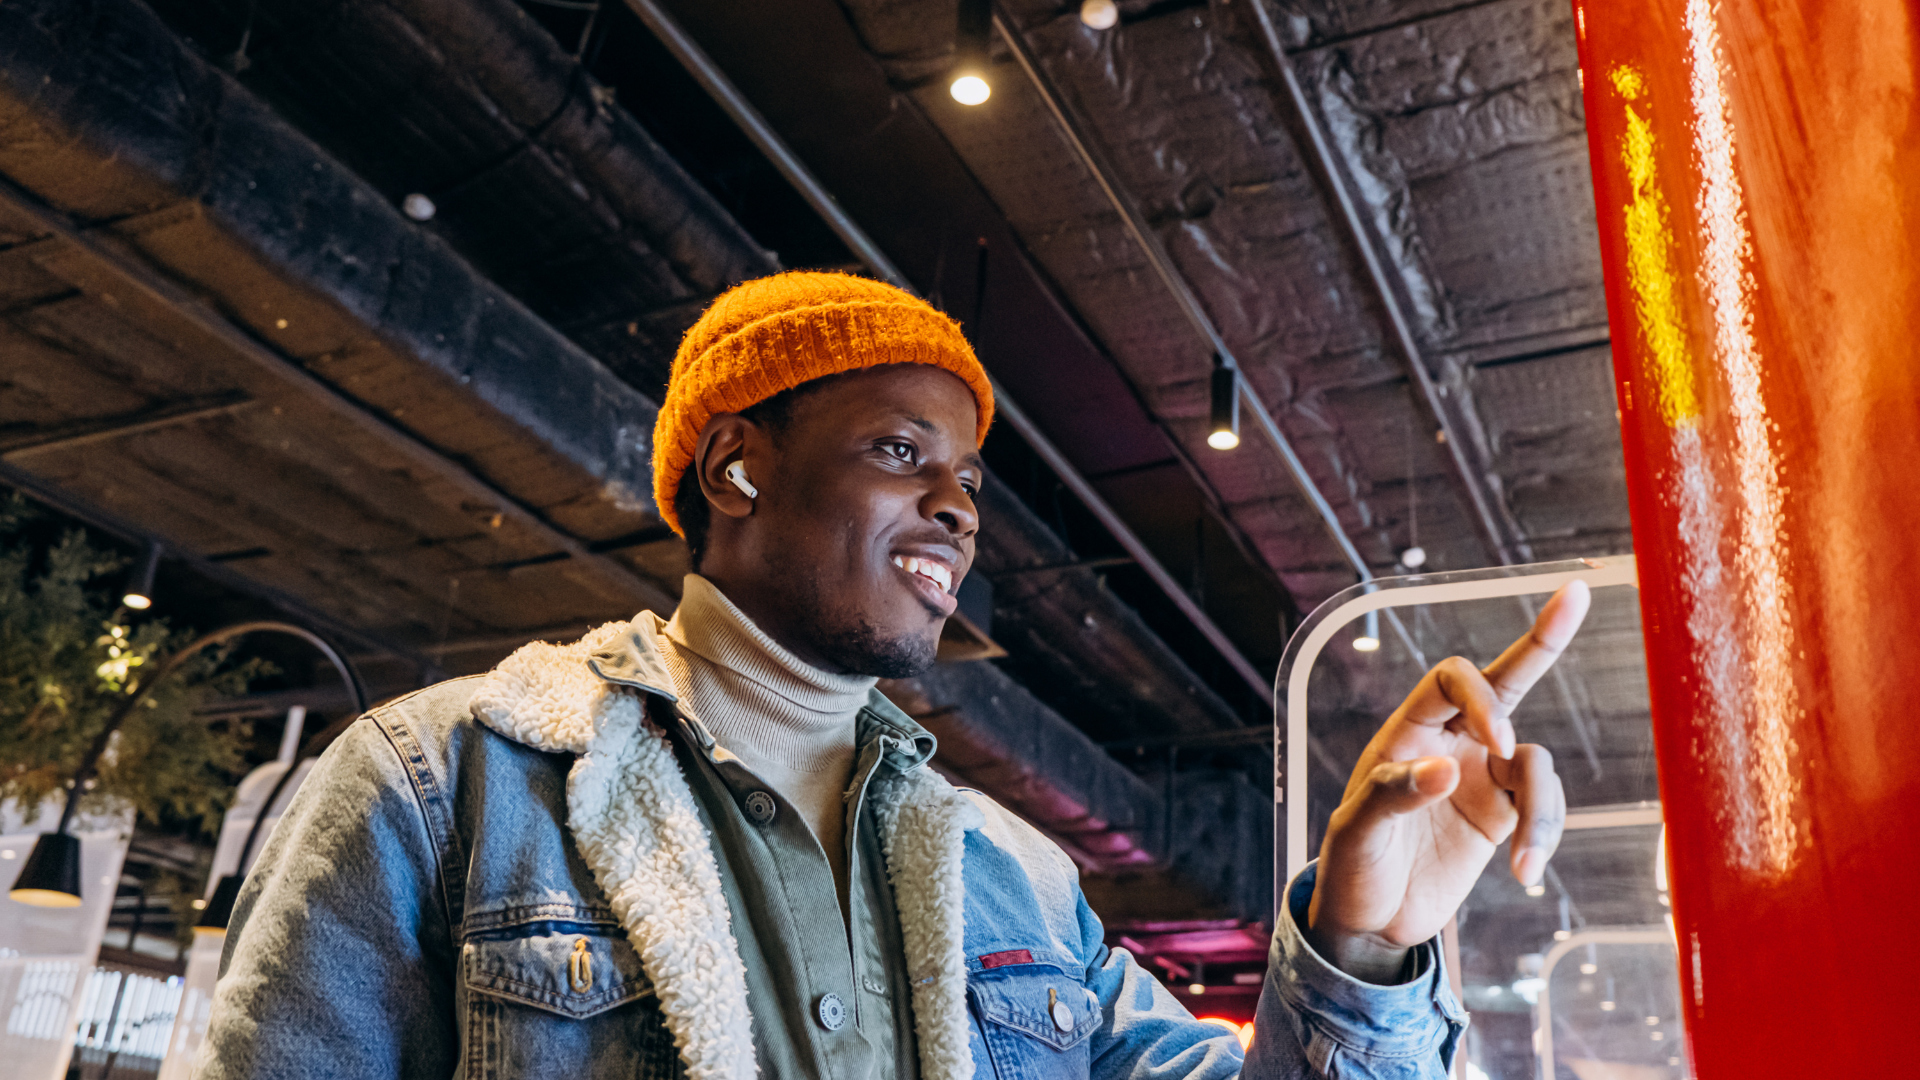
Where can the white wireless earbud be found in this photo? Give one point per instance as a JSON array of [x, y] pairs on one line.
[[737, 473]]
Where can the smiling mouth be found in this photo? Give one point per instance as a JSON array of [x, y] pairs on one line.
[[926, 568], [932, 578]]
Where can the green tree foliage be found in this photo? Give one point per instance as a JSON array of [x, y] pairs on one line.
[[67, 660]]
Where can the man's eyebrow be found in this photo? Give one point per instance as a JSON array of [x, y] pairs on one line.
[[972, 461]]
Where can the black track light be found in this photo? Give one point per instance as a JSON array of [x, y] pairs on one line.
[[969, 79], [140, 594], [1223, 424], [1368, 640]]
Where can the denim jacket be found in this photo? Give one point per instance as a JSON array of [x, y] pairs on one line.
[[436, 902]]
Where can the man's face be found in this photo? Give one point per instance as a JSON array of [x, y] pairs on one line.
[[864, 525]]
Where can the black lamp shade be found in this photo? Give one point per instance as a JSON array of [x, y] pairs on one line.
[[51, 877], [139, 594], [1223, 414], [219, 910]]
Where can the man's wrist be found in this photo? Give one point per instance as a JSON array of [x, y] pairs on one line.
[[1362, 956]]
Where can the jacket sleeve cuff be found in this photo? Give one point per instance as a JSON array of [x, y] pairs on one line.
[[1339, 1015]]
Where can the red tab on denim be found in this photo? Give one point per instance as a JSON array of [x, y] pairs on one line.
[[1002, 959]]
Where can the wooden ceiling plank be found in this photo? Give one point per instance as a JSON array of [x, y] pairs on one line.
[[161, 297]]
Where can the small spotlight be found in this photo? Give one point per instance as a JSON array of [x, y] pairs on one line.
[[1196, 988], [969, 85], [1223, 417], [418, 207], [1562, 935], [1653, 1021], [1589, 969], [1536, 890], [140, 596], [970, 90], [1369, 639], [1100, 14], [1607, 1006], [1414, 557], [1657, 1036]]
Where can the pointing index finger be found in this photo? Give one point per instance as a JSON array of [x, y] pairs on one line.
[[1517, 669]]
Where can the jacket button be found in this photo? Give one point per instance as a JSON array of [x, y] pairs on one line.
[[1062, 1016], [832, 1012], [760, 808]]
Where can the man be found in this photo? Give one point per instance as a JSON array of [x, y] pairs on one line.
[[707, 847]]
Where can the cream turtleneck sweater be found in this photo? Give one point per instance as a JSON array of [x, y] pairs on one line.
[[788, 721]]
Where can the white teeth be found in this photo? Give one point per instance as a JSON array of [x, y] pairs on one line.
[[926, 568]]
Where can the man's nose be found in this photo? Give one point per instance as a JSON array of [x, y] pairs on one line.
[[950, 505]]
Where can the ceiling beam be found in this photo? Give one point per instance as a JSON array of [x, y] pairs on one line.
[[297, 383], [86, 433], [106, 521]]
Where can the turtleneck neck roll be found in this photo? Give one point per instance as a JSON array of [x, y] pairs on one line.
[[788, 721]]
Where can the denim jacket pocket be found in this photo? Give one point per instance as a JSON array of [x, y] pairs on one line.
[[574, 969], [561, 998], [1033, 1019]]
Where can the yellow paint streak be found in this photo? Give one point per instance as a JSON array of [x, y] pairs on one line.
[[1650, 265]]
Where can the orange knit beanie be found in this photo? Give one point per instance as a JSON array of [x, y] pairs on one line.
[[774, 333]]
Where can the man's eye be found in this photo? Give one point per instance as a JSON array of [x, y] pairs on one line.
[[903, 451]]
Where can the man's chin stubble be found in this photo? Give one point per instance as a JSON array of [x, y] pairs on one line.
[[862, 650], [854, 646]]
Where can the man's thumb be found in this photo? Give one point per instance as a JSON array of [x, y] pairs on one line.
[[1398, 787]]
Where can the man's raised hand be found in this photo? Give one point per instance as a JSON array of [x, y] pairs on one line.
[[1441, 784]]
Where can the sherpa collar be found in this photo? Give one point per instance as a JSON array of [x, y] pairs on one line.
[[638, 827]]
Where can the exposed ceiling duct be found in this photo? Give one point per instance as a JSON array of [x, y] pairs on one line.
[[350, 414]]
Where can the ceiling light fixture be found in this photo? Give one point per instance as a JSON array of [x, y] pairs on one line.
[[1369, 639], [969, 85], [1099, 14], [139, 596], [1223, 417]]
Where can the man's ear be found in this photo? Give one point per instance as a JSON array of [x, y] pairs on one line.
[[722, 442]]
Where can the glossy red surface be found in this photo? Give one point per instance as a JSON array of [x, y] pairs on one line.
[[1757, 180]]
